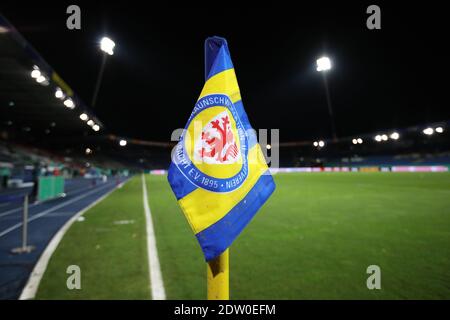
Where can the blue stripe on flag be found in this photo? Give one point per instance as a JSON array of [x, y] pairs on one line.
[[180, 185], [217, 56], [218, 237]]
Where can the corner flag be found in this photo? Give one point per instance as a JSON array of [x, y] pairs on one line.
[[218, 172]]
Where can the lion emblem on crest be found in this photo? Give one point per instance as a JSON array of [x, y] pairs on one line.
[[217, 143]]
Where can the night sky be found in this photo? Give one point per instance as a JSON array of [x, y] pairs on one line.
[[381, 79]]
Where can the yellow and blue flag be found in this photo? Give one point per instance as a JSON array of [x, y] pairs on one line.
[[218, 172]]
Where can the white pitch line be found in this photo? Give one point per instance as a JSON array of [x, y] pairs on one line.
[[156, 281], [30, 289], [43, 213]]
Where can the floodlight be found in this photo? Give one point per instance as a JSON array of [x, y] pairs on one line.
[[69, 103], [323, 64], [321, 144], [439, 129], [59, 93], [40, 79], [107, 45], [35, 73], [394, 135], [84, 116], [123, 143], [428, 131]]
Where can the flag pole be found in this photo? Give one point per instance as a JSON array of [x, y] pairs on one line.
[[218, 274]]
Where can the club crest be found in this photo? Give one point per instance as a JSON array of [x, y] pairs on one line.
[[212, 152]]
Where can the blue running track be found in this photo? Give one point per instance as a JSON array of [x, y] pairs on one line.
[[45, 219]]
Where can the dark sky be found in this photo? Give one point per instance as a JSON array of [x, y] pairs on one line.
[[382, 79]]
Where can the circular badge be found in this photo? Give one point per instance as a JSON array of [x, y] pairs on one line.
[[212, 152]]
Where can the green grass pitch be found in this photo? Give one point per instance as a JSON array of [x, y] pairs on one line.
[[313, 239]]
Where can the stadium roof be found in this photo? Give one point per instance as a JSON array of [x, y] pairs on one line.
[[30, 110]]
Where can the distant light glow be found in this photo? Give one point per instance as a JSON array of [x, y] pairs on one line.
[[439, 129], [123, 143], [84, 116], [395, 135], [96, 127], [321, 144], [315, 144], [428, 131], [59, 93], [384, 137], [69, 103], [107, 45], [378, 138], [88, 151], [268, 147], [90, 123], [323, 64], [355, 141], [360, 140]]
